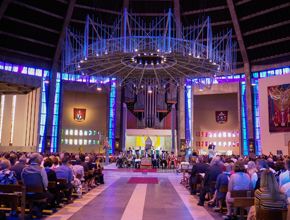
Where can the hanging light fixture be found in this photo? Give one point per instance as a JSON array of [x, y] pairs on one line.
[[253, 82], [99, 87], [149, 89]]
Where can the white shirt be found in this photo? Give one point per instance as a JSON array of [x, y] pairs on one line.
[[254, 178], [286, 190], [284, 178]]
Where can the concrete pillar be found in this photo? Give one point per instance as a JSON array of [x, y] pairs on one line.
[[180, 115], [124, 127], [177, 17], [173, 112], [247, 70]]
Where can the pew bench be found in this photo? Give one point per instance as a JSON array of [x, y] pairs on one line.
[[271, 214]]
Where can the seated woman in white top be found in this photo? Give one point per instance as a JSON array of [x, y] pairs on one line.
[[251, 170], [238, 181]]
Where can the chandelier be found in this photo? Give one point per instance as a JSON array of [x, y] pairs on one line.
[[155, 56]]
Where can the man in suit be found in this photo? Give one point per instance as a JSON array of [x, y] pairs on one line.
[[163, 159], [19, 167], [200, 167], [211, 174], [155, 159]]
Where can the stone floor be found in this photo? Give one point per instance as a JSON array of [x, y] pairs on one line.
[[116, 200]]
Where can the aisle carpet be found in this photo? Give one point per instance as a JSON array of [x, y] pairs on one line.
[[145, 171], [143, 180]]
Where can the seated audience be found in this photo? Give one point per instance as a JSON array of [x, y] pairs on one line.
[[7, 176], [34, 175], [222, 180], [51, 176], [83, 163], [17, 168], [79, 169], [284, 177], [64, 171], [211, 174], [238, 181], [13, 159], [261, 165], [268, 196], [199, 167], [251, 170], [55, 163]]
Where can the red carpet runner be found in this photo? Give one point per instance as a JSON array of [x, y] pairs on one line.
[[145, 171], [143, 180]]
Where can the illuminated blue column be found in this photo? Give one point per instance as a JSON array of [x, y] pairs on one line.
[[245, 136], [188, 112], [112, 115], [55, 117], [43, 111]]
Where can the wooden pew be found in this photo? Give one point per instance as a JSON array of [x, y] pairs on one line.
[[271, 214], [243, 198], [10, 196], [34, 189]]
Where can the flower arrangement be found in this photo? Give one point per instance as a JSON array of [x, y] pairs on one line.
[[186, 146], [107, 145]]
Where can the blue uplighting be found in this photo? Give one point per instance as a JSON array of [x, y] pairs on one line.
[[55, 119], [43, 111], [188, 121], [112, 116]]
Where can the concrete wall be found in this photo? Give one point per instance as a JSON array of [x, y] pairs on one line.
[[205, 121], [26, 120], [96, 119], [271, 141]]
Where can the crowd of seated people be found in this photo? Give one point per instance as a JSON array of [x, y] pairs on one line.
[[62, 169], [267, 176], [133, 159]]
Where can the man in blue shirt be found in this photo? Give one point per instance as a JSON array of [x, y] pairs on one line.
[[64, 171]]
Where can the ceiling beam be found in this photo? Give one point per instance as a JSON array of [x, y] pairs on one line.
[[238, 31], [149, 14], [31, 24], [66, 21], [265, 11], [242, 2], [97, 9], [268, 43], [3, 7], [266, 28], [177, 17], [27, 39], [37, 9], [271, 57], [205, 10], [25, 54]]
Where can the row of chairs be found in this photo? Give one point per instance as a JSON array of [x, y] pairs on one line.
[[242, 199], [14, 194]]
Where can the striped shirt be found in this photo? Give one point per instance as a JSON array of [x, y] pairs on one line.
[[263, 200]]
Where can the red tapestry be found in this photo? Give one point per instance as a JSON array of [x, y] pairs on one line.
[[221, 117], [79, 114], [279, 108]]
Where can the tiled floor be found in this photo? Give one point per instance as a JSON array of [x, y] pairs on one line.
[[118, 200]]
